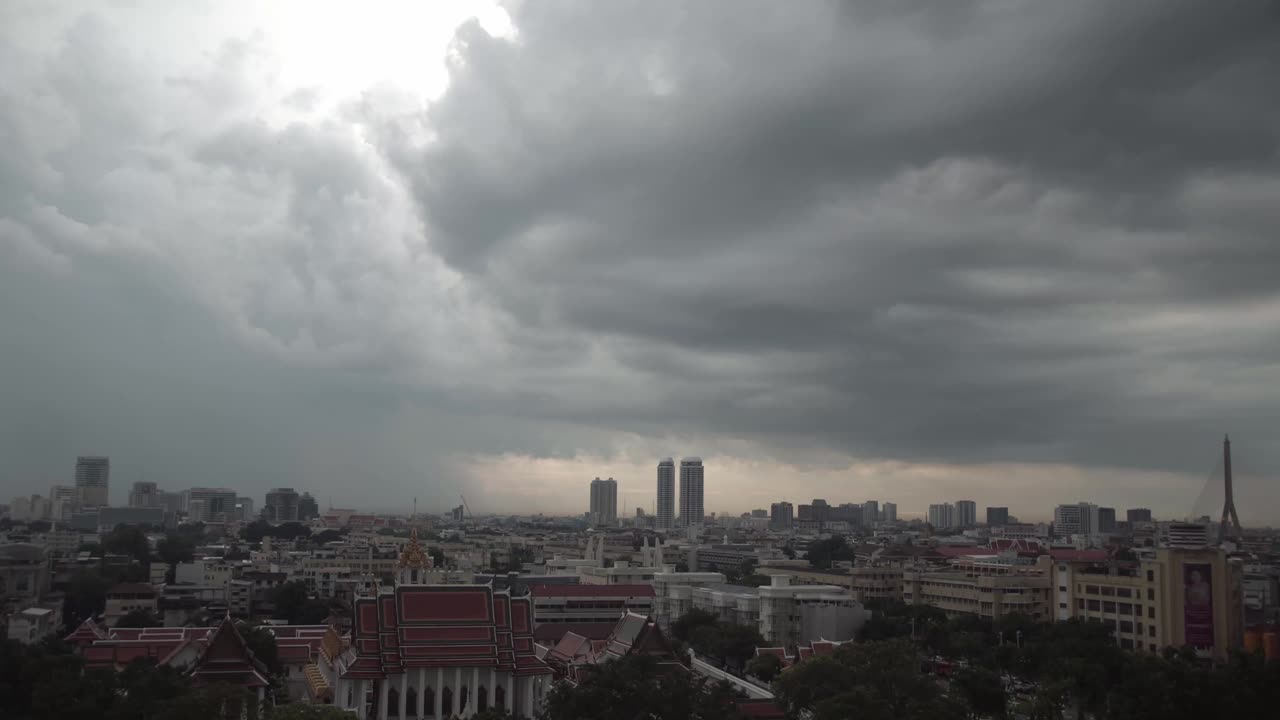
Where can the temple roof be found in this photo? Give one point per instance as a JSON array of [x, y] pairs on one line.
[[412, 556], [227, 658], [442, 626]]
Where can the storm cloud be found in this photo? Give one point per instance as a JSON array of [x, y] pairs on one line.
[[805, 238]]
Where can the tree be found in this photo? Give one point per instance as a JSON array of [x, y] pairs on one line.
[[684, 627], [290, 601], [299, 711], [983, 690], [175, 548], [327, 536], [139, 618], [262, 644], [766, 667], [823, 553], [85, 597], [636, 686], [128, 540]]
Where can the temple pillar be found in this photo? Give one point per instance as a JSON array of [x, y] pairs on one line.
[[362, 708], [404, 694], [493, 688], [474, 706], [528, 696], [457, 691], [383, 686], [422, 693], [439, 692], [511, 695]]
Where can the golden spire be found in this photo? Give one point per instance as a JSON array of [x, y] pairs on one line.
[[412, 556]]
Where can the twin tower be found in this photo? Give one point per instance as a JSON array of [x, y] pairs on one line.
[[691, 506]]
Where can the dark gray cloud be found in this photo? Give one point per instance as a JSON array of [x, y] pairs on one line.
[[979, 231], [812, 233]]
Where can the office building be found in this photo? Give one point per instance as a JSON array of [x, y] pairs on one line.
[[692, 512], [997, 516], [942, 515], [308, 508], [781, 517], [210, 504], [281, 505], [1178, 597], [870, 513], [990, 592], [666, 494], [760, 513], [890, 512], [1137, 515], [966, 513], [144, 494], [93, 480], [244, 509], [604, 502], [1106, 520]]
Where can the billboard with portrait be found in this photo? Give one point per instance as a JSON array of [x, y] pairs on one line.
[[1197, 608]]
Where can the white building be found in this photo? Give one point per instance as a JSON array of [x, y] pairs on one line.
[[798, 614], [1075, 519], [63, 500], [673, 593], [692, 510], [666, 494], [93, 480], [942, 515], [966, 513], [33, 625]]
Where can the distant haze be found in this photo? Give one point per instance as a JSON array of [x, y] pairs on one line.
[[1020, 253]]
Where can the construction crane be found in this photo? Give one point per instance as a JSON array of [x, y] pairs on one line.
[[467, 508]]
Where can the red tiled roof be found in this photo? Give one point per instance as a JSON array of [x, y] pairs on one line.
[[591, 590], [550, 633], [766, 709], [962, 550]]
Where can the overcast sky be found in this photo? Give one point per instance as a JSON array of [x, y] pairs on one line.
[[1017, 252]]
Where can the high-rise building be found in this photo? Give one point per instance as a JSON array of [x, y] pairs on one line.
[[308, 508], [144, 494], [890, 512], [1075, 519], [997, 516], [692, 511], [210, 504], [281, 505], [171, 501], [93, 480], [966, 513], [942, 515], [604, 502], [821, 511], [1137, 515], [1106, 519], [781, 517], [870, 513], [760, 513], [244, 509], [666, 494], [63, 500]]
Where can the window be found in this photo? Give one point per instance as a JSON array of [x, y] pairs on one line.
[[1151, 576], [1151, 612], [1139, 628], [1151, 631], [1108, 591], [1062, 588], [1091, 589], [1126, 626], [1125, 608], [1080, 604], [1108, 607], [1093, 605], [1151, 594], [1124, 592], [1153, 647], [1062, 606], [1126, 643]]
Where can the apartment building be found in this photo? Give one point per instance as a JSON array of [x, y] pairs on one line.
[[988, 590], [797, 614]]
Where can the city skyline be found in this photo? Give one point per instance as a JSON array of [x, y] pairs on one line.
[[418, 259]]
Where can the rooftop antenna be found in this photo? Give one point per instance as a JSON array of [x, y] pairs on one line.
[[1229, 505]]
